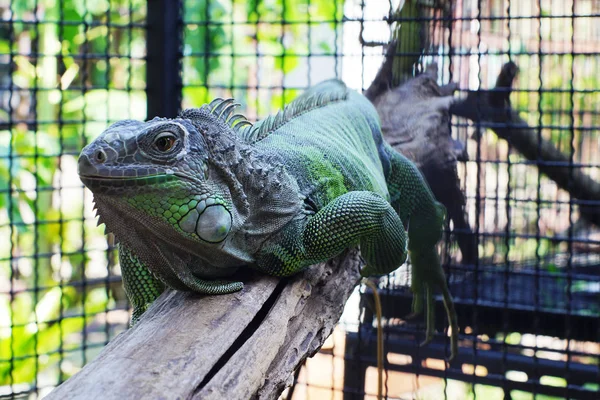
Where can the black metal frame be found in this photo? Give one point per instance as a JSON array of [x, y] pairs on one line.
[[496, 362], [497, 357], [164, 54]]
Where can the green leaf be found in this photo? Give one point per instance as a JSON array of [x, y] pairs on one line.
[[42, 338]]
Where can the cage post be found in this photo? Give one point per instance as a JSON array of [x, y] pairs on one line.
[[164, 43]]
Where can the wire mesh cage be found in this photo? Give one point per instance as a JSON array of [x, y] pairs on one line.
[[528, 294], [68, 69]]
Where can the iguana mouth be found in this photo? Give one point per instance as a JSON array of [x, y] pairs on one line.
[[98, 181]]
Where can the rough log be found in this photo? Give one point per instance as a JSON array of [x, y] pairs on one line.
[[243, 345]]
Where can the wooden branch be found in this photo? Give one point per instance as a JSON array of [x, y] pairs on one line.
[[491, 109], [415, 111], [242, 345], [383, 78], [410, 37]]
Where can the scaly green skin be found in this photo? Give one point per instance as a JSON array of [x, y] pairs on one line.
[[193, 199], [141, 285]]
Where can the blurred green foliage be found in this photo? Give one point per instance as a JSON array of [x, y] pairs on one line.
[[60, 98], [252, 44]]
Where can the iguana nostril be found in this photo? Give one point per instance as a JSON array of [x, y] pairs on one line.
[[100, 156]]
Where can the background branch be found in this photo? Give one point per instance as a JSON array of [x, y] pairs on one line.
[[491, 109], [415, 121]]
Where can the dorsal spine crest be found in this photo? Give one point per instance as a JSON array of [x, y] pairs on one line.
[[307, 102], [223, 110]]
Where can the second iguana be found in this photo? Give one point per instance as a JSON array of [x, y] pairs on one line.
[[192, 199]]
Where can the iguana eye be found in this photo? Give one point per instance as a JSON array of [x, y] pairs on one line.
[[165, 141]]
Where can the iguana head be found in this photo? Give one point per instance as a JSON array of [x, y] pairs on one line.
[[189, 184], [161, 168]]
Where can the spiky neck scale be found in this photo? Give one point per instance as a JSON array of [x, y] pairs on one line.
[[260, 187]]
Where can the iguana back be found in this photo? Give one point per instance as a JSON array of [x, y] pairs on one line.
[[330, 141]]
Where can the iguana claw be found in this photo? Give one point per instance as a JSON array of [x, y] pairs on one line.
[[423, 286]]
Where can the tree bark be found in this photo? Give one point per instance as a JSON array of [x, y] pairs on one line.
[[242, 345]]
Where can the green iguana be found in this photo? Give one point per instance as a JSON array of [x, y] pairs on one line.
[[194, 198]]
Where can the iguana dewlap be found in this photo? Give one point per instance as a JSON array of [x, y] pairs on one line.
[[194, 198]]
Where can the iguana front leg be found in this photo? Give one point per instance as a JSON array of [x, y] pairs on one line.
[[141, 286], [363, 218]]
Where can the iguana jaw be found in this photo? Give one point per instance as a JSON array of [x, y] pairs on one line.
[[96, 183], [196, 214], [165, 252]]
